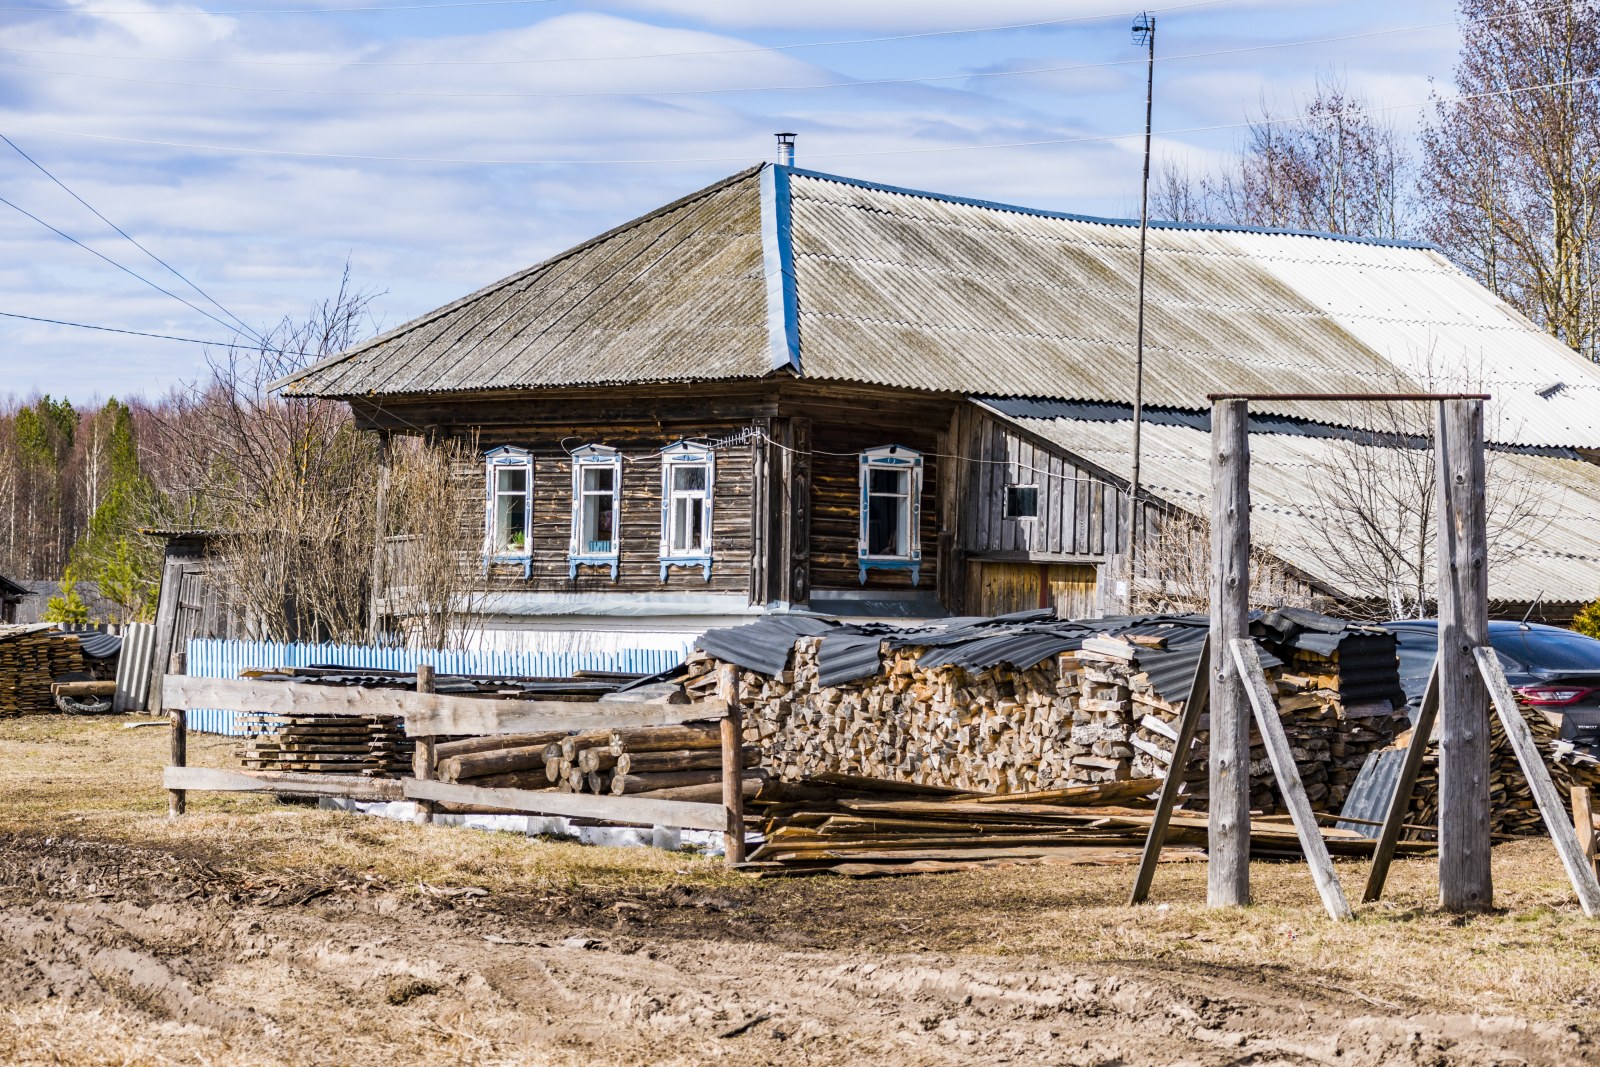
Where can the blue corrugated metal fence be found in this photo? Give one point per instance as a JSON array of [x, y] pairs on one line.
[[225, 659]]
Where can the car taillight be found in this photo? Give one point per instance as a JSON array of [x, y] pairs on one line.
[[1551, 696]]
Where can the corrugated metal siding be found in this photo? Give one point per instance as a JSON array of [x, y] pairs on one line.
[[1288, 486], [225, 659], [133, 667]]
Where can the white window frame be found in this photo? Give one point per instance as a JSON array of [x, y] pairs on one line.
[[676, 457], [1005, 501], [496, 460], [592, 457], [901, 459]]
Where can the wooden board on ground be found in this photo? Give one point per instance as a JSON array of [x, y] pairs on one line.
[[629, 810], [348, 786]]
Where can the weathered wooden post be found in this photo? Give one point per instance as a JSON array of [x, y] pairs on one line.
[[178, 799], [732, 763], [422, 757], [1465, 883], [1228, 834]]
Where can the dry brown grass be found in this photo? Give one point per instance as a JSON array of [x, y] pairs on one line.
[[1537, 956]]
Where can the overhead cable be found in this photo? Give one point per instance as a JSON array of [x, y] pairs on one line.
[[181, 277]]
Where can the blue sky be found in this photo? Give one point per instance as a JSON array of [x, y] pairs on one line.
[[264, 206]]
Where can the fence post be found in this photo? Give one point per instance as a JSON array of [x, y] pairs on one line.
[[178, 799], [732, 763], [422, 759], [1465, 882], [1228, 832]]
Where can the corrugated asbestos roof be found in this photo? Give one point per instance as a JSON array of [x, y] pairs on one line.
[[921, 291], [1554, 551]]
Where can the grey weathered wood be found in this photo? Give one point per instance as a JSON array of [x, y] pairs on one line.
[[431, 714], [1571, 850], [1193, 710], [1465, 881], [1583, 820], [630, 810], [1395, 815], [1245, 658], [349, 786], [177, 799], [424, 759], [1228, 836], [732, 766], [380, 543]]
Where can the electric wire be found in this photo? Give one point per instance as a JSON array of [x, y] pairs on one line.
[[43, 170], [125, 269]]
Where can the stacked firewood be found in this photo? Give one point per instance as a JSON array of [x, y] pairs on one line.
[[1001, 731], [32, 657], [1512, 809], [1328, 739], [371, 745], [1083, 717]]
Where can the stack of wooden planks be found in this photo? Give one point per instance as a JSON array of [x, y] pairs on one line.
[[861, 828], [31, 658], [372, 745]]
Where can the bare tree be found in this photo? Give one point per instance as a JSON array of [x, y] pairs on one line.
[[1511, 172], [1328, 166], [1375, 511], [1174, 573], [432, 595]]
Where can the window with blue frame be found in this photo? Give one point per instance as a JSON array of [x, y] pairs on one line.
[[688, 474], [508, 511], [596, 509], [891, 511]]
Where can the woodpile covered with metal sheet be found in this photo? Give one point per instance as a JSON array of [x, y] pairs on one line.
[[1034, 703], [31, 658]]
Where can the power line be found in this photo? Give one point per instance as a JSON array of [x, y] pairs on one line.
[[797, 46], [134, 333], [42, 169], [126, 270], [723, 91], [873, 153]]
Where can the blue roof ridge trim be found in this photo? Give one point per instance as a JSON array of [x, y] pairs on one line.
[[1018, 209], [777, 262]]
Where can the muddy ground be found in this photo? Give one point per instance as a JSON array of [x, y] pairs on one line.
[[166, 958], [124, 940]]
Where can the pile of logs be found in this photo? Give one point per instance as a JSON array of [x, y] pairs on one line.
[[31, 658], [865, 828], [371, 745], [664, 762]]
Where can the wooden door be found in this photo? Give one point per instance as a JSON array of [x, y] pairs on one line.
[[1002, 587]]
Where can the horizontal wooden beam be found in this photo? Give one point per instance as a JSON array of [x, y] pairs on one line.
[[632, 810], [426, 714], [213, 779]]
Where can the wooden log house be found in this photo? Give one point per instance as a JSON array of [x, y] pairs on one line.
[[796, 390]]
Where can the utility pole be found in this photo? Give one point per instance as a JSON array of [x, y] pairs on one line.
[[1144, 32]]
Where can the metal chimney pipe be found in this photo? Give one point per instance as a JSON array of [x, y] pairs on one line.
[[786, 149]]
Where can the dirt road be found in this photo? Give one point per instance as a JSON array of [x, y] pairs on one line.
[[128, 955]]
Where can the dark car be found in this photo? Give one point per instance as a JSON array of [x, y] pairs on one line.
[[1555, 670]]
